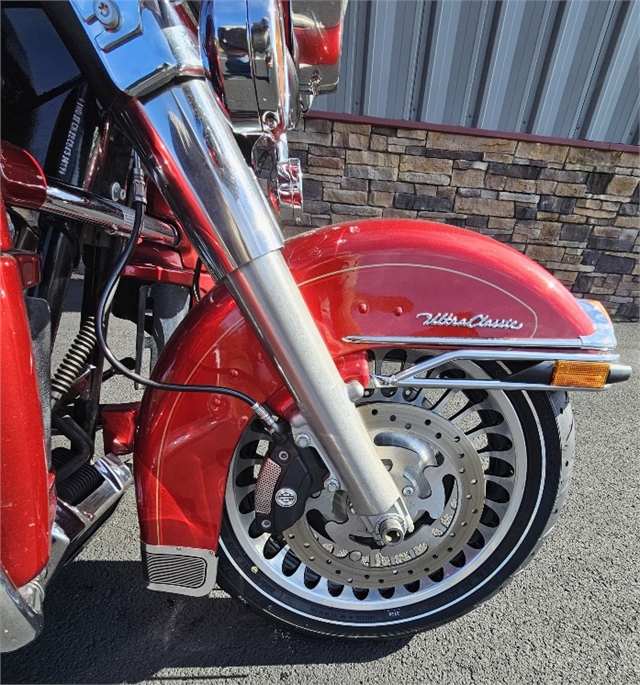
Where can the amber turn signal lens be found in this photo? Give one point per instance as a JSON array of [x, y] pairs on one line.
[[580, 374]]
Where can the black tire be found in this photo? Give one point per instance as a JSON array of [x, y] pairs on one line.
[[547, 427]]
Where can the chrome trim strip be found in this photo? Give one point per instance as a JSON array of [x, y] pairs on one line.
[[410, 341], [81, 205], [604, 336], [170, 552]]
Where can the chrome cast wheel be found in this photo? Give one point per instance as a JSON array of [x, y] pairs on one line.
[[469, 464]]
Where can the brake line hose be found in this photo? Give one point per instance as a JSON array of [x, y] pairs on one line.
[[105, 303]]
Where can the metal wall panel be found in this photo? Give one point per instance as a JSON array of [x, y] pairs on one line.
[[563, 68]]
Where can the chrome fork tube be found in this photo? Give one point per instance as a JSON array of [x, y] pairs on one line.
[[196, 162], [267, 293], [187, 144]]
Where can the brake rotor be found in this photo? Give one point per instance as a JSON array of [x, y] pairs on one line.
[[437, 470]]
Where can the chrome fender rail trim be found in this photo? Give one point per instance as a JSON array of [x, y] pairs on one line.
[[408, 378]]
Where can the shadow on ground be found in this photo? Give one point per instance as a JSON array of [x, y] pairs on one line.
[[140, 632]]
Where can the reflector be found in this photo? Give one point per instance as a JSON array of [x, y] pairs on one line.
[[580, 374]]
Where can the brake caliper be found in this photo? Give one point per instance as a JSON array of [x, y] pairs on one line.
[[288, 477]]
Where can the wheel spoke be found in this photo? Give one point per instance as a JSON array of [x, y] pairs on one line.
[[442, 403], [503, 481], [488, 430]]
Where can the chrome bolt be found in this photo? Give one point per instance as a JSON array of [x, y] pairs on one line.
[[271, 120], [303, 440], [407, 491], [266, 524], [332, 485], [117, 192], [283, 456], [107, 14], [355, 555]]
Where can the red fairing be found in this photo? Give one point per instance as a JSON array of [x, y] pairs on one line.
[[370, 278], [24, 483]]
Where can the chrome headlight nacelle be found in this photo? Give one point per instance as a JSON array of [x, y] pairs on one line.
[[267, 59], [245, 49]]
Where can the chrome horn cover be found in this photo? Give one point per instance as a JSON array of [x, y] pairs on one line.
[[244, 48]]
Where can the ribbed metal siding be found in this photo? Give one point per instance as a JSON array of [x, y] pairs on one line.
[[568, 69]]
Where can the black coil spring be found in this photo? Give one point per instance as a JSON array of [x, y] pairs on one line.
[[74, 360]]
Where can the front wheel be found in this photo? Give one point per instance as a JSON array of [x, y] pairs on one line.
[[483, 473]]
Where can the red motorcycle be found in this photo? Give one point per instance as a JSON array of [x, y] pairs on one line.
[[352, 436]]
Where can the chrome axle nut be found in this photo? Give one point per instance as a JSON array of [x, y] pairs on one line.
[[391, 530]]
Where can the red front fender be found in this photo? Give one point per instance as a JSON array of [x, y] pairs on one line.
[[370, 278]]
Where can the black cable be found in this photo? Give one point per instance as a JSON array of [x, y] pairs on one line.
[[103, 307]]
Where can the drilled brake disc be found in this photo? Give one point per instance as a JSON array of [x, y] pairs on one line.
[[440, 476]]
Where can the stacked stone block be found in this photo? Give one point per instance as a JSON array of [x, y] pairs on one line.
[[573, 209]]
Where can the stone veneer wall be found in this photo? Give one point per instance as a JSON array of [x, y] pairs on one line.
[[573, 209]]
